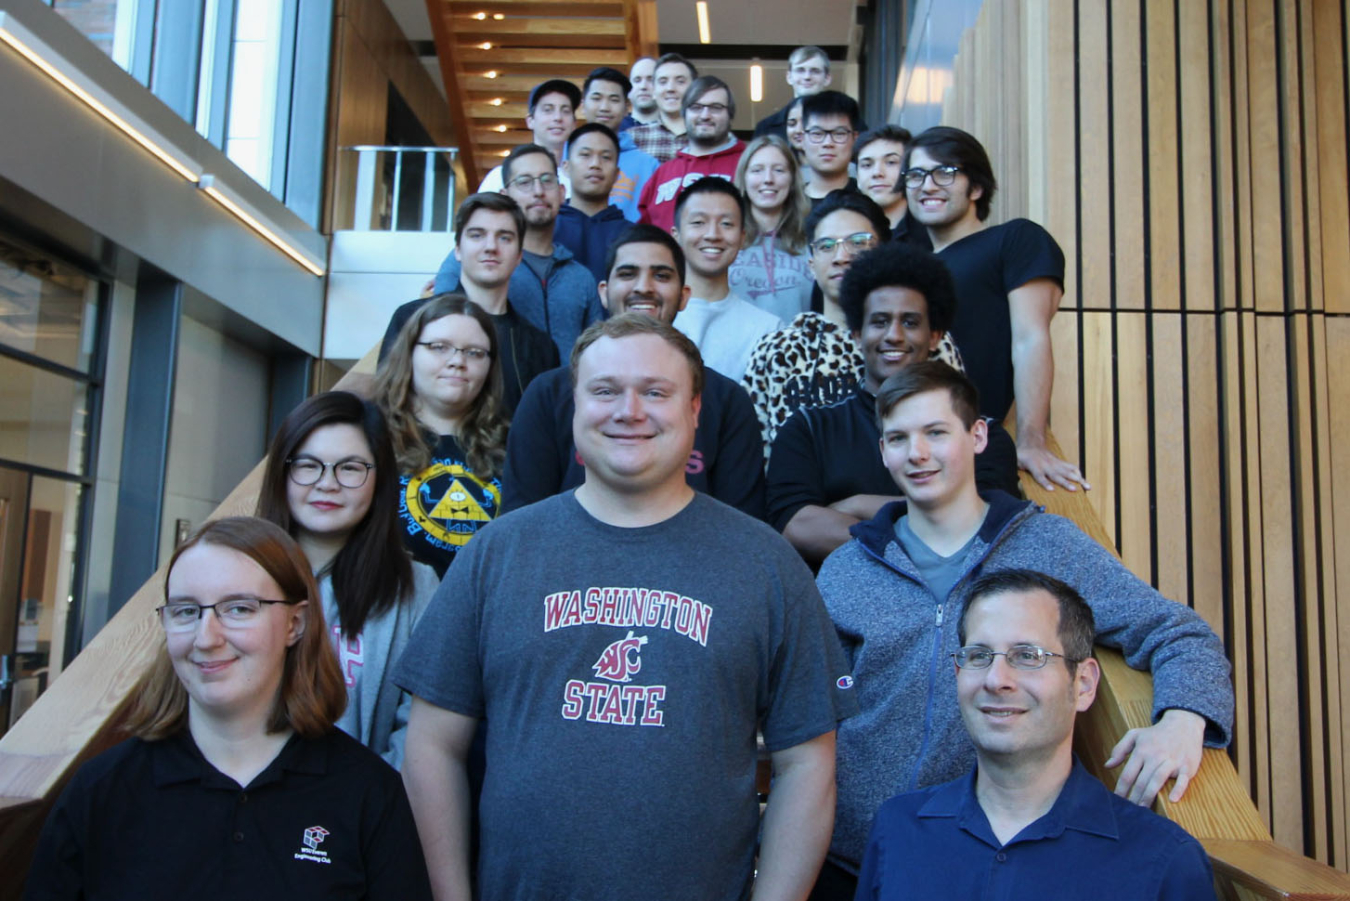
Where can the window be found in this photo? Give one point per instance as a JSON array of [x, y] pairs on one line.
[[250, 134], [49, 389], [250, 75]]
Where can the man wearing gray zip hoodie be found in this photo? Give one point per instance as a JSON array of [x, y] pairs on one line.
[[895, 591]]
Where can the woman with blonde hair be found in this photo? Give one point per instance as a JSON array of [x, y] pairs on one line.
[[440, 389], [236, 782], [772, 270]]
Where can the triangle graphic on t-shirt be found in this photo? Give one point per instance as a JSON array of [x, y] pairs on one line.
[[459, 504]]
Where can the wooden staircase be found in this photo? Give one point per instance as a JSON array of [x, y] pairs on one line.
[[488, 87], [493, 52], [81, 713]]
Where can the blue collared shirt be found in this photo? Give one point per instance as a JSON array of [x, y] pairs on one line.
[[937, 843]]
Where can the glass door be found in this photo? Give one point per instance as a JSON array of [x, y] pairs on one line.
[[48, 390]]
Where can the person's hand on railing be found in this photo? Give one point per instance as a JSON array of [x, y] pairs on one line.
[[1049, 470], [1170, 748]]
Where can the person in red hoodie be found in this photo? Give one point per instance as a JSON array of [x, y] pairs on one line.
[[708, 109]]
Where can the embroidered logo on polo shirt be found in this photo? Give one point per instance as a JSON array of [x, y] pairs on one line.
[[312, 838]]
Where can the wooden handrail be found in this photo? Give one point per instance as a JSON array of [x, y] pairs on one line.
[[79, 715]]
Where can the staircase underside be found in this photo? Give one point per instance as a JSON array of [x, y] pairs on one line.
[[493, 52]]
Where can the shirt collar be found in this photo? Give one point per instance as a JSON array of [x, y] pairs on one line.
[[177, 759], [1083, 805]]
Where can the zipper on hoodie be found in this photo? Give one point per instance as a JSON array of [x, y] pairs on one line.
[[928, 705]]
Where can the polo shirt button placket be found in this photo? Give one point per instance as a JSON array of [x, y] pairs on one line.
[[1001, 857], [239, 836]]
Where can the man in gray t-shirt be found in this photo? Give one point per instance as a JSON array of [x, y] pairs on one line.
[[626, 641]]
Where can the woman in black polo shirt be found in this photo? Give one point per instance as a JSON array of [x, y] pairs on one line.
[[440, 388], [236, 785]]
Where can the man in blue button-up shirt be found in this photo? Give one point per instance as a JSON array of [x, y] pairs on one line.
[[1028, 822]]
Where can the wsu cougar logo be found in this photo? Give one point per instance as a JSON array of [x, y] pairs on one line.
[[620, 660]]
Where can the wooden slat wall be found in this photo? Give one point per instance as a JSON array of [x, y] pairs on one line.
[[1190, 157]]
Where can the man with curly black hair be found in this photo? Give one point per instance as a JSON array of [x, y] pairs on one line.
[[825, 471]]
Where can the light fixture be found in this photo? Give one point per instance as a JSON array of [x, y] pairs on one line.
[[207, 185], [7, 34], [504, 153], [756, 83], [496, 101], [501, 129], [490, 73], [704, 33], [93, 95], [486, 45], [480, 16], [499, 16]]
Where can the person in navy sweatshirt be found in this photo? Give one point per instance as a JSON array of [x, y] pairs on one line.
[[605, 100], [588, 223]]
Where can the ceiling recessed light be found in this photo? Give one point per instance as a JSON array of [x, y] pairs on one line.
[[499, 16], [501, 129], [496, 101], [480, 16], [704, 33], [490, 73], [486, 45], [503, 153]]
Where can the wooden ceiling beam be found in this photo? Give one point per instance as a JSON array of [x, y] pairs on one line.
[[503, 84], [547, 41], [481, 109], [592, 9], [443, 34], [537, 72], [470, 53], [552, 27]]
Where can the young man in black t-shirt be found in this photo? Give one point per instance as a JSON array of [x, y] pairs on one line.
[[826, 473], [1009, 281]]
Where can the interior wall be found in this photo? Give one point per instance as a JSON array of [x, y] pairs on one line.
[[219, 426], [371, 53], [1190, 157]]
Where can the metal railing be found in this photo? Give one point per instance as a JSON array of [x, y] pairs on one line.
[[404, 188]]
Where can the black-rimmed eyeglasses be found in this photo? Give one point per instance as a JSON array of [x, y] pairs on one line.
[[942, 176], [306, 471], [836, 135]]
